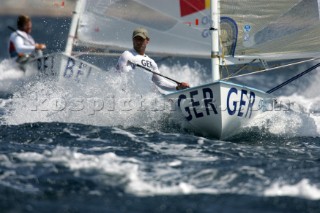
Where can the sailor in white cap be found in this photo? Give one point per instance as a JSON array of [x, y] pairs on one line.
[[136, 56]]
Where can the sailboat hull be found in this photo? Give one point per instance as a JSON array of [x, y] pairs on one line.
[[219, 109], [64, 68]]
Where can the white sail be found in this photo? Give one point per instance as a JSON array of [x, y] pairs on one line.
[[249, 28], [110, 24]]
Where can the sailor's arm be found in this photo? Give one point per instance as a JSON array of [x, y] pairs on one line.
[[124, 63], [21, 47], [166, 84], [163, 83]]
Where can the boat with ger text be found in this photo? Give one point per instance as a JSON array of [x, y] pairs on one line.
[[230, 33]]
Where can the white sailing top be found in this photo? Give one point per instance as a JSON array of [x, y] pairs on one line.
[[129, 58], [17, 44]]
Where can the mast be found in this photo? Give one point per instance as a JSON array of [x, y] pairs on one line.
[[73, 27], [214, 28]]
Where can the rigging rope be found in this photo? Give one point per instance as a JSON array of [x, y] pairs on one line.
[[274, 68], [293, 78]]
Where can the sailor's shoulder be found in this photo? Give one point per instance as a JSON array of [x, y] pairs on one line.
[[13, 35], [22, 33], [126, 55], [18, 34]]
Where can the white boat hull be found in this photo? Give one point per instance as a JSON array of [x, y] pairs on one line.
[[219, 109], [64, 68]]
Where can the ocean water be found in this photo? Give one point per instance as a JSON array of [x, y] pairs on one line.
[[69, 148]]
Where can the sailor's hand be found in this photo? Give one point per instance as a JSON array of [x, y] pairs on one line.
[[20, 55], [182, 85], [40, 46]]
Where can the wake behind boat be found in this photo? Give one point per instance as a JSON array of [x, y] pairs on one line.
[[222, 31]]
